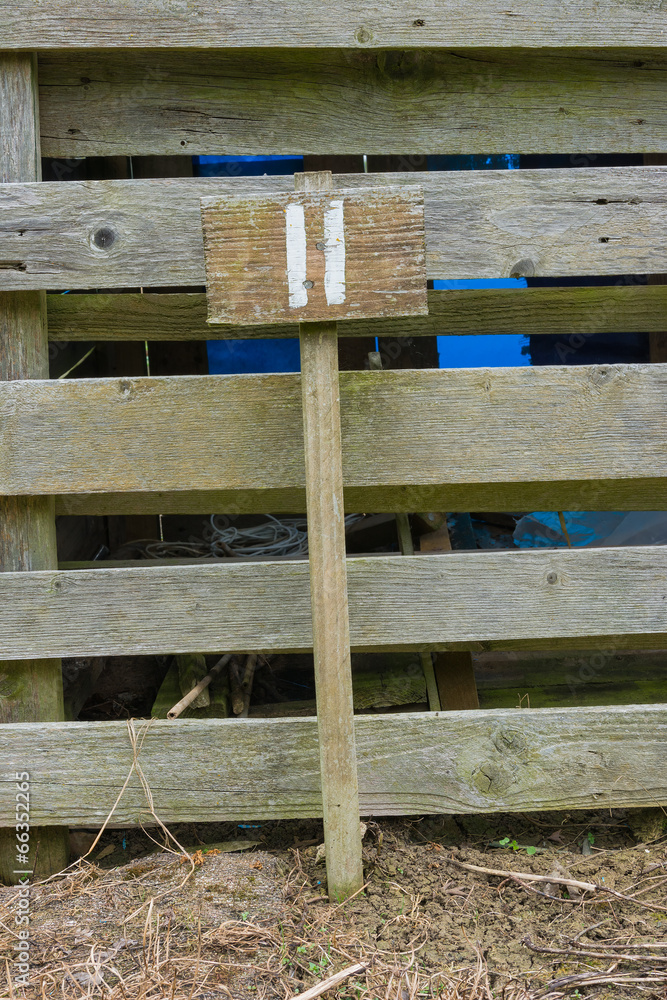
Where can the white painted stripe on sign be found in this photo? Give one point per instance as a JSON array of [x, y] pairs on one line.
[[295, 223], [334, 254]]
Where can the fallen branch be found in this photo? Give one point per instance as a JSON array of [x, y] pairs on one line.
[[529, 877], [327, 984], [612, 956]]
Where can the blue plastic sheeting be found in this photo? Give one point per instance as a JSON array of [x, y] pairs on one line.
[[242, 357], [247, 166], [499, 161], [492, 351], [542, 529]]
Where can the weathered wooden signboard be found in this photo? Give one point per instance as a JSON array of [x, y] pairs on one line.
[[315, 256]]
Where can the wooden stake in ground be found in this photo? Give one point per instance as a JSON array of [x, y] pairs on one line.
[[328, 589], [316, 257], [31, 690]]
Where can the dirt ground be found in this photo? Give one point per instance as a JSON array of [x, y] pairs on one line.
[[244, 913]]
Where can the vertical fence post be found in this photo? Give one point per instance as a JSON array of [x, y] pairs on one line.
[[30, 691], [328, 587]]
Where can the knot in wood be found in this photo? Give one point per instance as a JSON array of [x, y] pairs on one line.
[[491, 779], [524, 268], [510, 741], [104, 238], [363, 35]]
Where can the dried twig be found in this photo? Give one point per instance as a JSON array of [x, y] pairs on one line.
[[611, 956], [529, 877], [327, 984]]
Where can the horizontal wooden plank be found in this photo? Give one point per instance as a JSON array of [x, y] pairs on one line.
[[479, 224], [347, 24], [412, 102], [419, 429], [567, 312], [500, 760], [605, 494], [415, 602]]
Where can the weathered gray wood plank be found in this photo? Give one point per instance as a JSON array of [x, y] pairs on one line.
[[479, 224], [414, 102], [566, 312], [500, 760], [423, 429], [418, 602], [346, 24]]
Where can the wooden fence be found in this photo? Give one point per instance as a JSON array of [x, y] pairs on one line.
[[101, 80]]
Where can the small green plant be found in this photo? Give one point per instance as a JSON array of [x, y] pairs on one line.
[[591, 838], [506, 842]]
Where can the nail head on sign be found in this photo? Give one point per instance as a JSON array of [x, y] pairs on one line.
[[552, 577], [308, 284], [319, 246]]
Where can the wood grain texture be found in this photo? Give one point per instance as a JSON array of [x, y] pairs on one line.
[[315, 256], [348, 24], [499, 760], [419, 602], [479, 224], [30, 690], [418, 101], [565, 312], [418, 431]]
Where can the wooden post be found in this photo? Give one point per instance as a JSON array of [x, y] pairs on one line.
[[31, 690], [328, 588]]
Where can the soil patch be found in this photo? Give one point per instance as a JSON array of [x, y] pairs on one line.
[[259, 923]]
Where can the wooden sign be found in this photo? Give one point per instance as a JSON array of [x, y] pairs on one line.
[[310, 257]]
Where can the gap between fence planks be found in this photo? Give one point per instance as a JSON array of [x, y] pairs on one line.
[[503, 760], [407, 435], [479, 224], [350, 24], [457, 600], [31, 689], [414, 102], [571, 313], [320, 400]]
